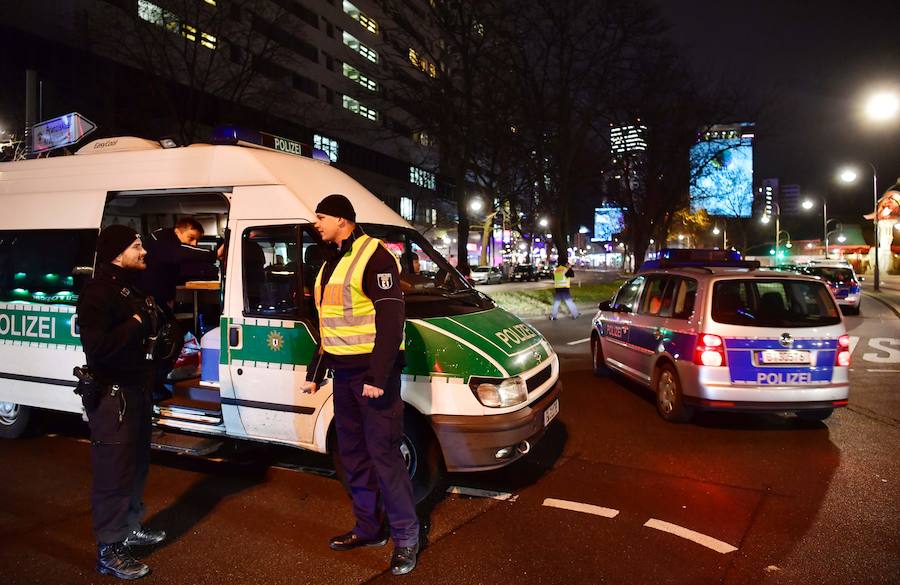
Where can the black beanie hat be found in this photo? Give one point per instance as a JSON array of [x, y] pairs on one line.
[[113, 240], [337, 205]]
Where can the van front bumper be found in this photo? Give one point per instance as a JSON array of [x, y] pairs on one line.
[[471, 443]]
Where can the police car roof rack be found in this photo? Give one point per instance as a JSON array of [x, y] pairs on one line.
[[704, 259], [235, 135]]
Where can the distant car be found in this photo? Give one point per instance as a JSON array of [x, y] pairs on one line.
[[523, 272], [545, 271], [841, 279], [487, 275]]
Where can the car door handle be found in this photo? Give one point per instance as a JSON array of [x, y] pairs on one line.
[[234, 336]]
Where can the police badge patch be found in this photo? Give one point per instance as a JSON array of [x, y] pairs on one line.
[[385, 281]]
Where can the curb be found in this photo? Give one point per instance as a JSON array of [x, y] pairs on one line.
[[887, 304]]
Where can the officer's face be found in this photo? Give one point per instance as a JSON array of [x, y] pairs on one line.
[[133, 257], [188, 236], [328, 226]]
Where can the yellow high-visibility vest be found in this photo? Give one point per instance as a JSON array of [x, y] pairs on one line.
[[560, 280], [346, 314]]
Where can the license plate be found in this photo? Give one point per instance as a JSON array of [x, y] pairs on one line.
[[551, 412], [784, 356]]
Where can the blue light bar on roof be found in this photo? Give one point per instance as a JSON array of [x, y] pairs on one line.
[[243, 137], [683, 257]]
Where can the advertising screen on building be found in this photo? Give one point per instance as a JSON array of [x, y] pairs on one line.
[[608, 221], [722, 167]]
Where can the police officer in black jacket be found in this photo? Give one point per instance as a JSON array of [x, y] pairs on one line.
[[361, 324], [118, 324]]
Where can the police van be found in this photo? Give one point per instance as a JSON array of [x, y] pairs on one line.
[[706, 330], [480, 385]]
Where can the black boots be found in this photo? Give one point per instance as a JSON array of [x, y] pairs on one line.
[[115, 559], [142, 537], [404, 559]]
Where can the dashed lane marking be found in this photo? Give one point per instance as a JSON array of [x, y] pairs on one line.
[[579, 507], [479, 493], [686, 533], [577, 341], [877, 370]]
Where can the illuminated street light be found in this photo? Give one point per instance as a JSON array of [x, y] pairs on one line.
[[764, 219], [842, 238], [882, 106], [848, 175], [808, 204], [476, 205], [544, 222], [716, 231], [680, 237]]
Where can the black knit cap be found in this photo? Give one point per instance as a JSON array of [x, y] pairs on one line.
[[113, 240], [337, 205]]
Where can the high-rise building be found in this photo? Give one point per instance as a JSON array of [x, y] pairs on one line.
[[767, 197], [790, 200], [627, 139]]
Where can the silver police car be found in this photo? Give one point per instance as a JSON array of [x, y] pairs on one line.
[[706, 330]]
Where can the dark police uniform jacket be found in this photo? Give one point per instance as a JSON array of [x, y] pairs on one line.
[[166, 256]]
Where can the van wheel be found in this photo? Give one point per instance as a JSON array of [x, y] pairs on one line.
[[419, 449], [13, 420], [669, 399], [814, 415], [601, 370]]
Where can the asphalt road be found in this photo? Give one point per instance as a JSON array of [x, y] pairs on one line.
[[611, 495]]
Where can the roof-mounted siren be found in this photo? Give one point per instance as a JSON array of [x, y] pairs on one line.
[[233, 135], [683, 257]]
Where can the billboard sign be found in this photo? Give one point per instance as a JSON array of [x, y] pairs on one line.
[[608, 221], [722, 167]]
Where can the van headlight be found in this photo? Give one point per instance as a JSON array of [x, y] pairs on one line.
[[497, 393]]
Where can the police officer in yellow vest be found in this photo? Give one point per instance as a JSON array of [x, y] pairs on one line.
[[562, 276], [361, 325]]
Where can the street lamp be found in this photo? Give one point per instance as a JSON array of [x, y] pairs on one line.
[[724, 231], [882, 106], [476, 204], [765, 219], [849, 175], [809, 204], [544, 222]]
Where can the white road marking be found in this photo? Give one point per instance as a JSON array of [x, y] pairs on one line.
[[579, 507], [882, 344], [854, 339], [479, 493], [577, 341], [699, 538], [877, 370]]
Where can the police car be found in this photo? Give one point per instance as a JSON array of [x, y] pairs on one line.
[[841, 279], [706, 330]]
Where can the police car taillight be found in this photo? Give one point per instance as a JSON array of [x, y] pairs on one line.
[[710, 350], [842, 358]]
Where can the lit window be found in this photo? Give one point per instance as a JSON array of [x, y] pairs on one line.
[[406, 208], [423, 138], [431, 216], [353, 73], [208, 41], [422, 64], [327, 145], [357, 108], [356, 14], [352, 42], [210, 2], [150, 12], [422, 178], [189, 32]]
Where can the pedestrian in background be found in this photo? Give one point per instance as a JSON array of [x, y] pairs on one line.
[[361, 323], [562, 281], [117, 324]]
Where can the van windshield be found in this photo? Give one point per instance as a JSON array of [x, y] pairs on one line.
[[773, 303], [431, 285]]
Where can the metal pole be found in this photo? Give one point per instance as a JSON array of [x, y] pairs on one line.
[[777, 232], [825, 225], [725, 235], [875, 194]]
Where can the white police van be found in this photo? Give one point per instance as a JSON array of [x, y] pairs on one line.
[[480, 385], [706, 330]]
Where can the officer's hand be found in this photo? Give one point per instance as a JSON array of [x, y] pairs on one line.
[[138, 317], [220, 250], [308, 387], [370, 391]]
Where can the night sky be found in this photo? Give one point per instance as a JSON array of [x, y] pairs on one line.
[[810, 65]]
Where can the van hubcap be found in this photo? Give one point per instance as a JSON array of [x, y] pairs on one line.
[[666, 392], [408, 452], [9, 412]]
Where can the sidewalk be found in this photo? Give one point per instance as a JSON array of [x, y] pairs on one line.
[[889, 293]]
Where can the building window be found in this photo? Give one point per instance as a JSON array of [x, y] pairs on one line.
[[421, 63], [352, 42], [422, 178], [424, 138], [328, 145], [406, 208], [357, 108], [210, 2], [356, 14], [431, 216], [351, 72], [153, 14]]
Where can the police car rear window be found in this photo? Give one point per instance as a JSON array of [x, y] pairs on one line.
[[832, 274], [773, 303]]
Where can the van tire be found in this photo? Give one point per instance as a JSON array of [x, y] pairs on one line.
[[14, 420], [814, 415], [669, 398], [420, 451], [598, 362]]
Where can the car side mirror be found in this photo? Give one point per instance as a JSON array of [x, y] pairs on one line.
[[606, 306], [861, 279]]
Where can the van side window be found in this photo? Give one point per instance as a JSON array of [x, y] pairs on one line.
[[685, 296], [626, 298], [657, 298], [313, 258], [45, 266], [271, 261]]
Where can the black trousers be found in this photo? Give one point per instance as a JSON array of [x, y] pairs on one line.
[[120, 458], [369, 432]]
